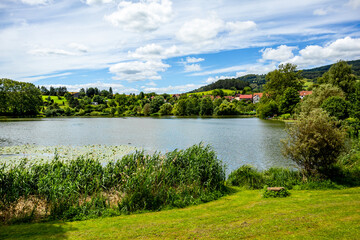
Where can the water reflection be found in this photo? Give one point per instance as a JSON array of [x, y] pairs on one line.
[[237, 141]]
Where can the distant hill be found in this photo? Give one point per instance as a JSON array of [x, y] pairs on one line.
[[256, 81], [319, 71]]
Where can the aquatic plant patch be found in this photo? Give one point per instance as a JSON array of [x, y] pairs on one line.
[[13, 155]]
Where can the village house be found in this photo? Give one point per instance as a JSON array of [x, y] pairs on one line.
[[304, 93], [243, 97], [257, 97]]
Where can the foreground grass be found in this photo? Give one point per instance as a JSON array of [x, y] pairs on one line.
[[321, 214]]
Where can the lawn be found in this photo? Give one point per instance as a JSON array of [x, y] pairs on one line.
[[56, 100], [320, 214]]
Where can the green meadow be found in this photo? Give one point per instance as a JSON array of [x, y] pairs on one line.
[[306, 214]]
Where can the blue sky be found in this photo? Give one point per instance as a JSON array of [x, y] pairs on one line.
[[169, 46]]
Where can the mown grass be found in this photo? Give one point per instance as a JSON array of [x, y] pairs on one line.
[[306, 214]]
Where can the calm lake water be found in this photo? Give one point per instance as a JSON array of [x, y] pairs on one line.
[[237, 141]]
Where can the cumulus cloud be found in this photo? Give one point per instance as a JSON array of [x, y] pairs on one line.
[[172, 89], [151, 51], [354, 3], [143, 16], [200, 30], [92, 2], [191, 64], [216, 78], [192, 67], [239, 27], [194, 60], [36, 2], [138, 70], [345, 48], [281, 53]]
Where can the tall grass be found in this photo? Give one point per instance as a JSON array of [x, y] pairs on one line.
[[251, 178], [86, 188]]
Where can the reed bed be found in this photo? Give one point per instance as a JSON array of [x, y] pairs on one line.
[[86, 187]]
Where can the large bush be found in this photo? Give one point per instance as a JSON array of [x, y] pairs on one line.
[[314, 142]]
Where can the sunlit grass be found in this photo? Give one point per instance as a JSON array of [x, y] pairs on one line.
[[326, 214]]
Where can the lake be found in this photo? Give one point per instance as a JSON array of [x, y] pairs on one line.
[[237, 141]]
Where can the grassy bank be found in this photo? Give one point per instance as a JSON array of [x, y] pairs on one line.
[[86, 187], [306, 214]]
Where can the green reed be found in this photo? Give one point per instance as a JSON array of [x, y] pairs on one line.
[[86, 187]]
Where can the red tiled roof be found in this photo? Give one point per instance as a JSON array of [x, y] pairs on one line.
[[245, 96], [304, 93], [258, 94]]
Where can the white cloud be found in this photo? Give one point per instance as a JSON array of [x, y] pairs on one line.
[[37, 78], [152, 84], [346, 48], [51, 51], [194, 60], [191, 64], [36, 2], [138, 70], [92, 2], [240, 27], [79, 47], [192, 67], [240, 70], [173, 89], [320, 12], [143, 16], [214, 79], [116, 87], [203, 30], [354, 3], [281, 53], [200, 30], [153, 51]]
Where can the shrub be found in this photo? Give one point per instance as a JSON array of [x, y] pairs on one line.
[[247, 177], [314, 142], [275, 194]]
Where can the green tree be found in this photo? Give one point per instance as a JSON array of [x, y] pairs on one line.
[[166, 109], [319, 95], [156, 103], [280, 79], [180, 108], [19, 98], [206, 107], [146, 109], [218, 92], [337, 107], [267, 109], [340, 75], [98, 99], [226, 108], [289, 100], [192, 106], [314, 142]]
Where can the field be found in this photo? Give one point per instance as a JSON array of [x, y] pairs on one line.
[[62, 102], [321, 214], [227, 92]]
